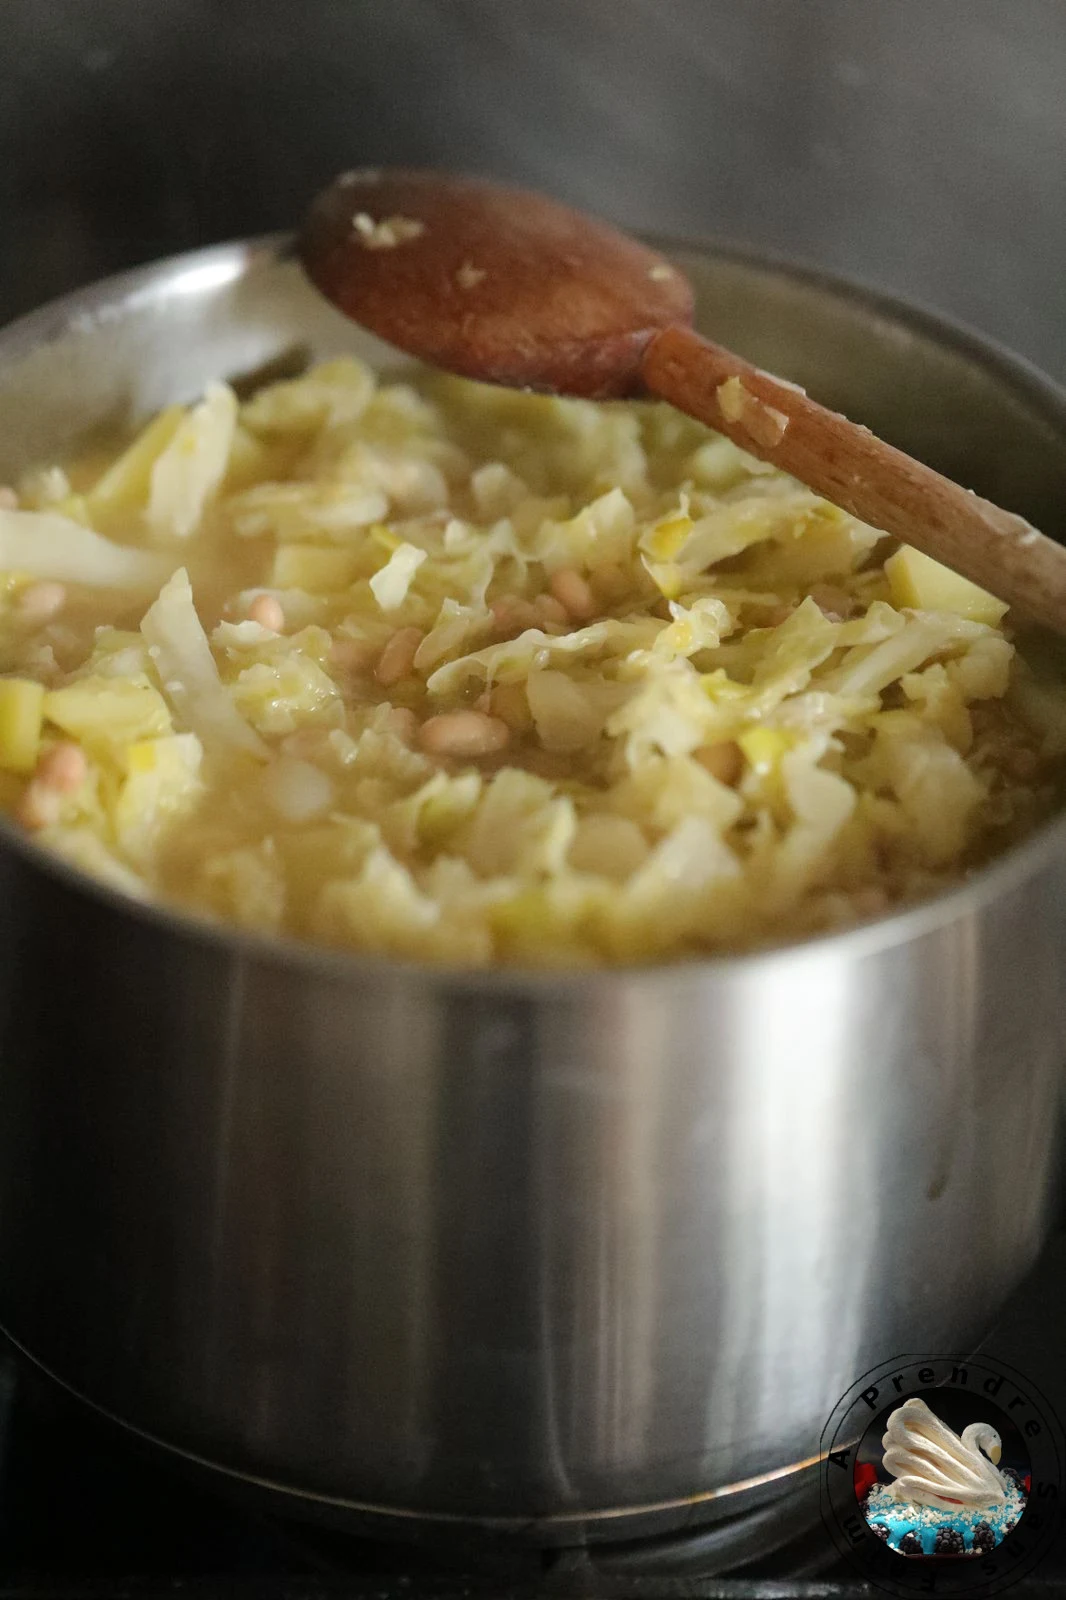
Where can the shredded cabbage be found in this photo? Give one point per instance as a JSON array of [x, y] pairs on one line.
[[187, 671], [162, 782], [391, 584], [44, 544], [335, 393], [192, 466]]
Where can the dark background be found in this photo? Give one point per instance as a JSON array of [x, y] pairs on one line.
[[918, 144]]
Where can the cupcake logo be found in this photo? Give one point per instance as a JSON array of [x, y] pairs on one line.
[[943, 1475], [945, 1494]]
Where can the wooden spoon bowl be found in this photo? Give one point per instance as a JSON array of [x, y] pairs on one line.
[[509, 287], [492, 283]]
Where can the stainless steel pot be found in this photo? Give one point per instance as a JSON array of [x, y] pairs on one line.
[[563, 1252]]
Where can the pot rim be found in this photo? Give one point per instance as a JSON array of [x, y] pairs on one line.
[[218, 264]]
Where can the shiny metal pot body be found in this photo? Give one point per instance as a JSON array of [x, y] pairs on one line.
[[540, 1251]]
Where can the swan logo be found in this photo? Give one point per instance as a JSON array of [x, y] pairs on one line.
[[943, 1476]]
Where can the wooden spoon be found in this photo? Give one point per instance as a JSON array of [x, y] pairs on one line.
[[512, 288]]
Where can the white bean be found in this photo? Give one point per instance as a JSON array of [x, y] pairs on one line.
[[463, 733], [40, 602], [266, 610], [549, 610], [63, 768], [573, 594], [398, 657], [39, 806]]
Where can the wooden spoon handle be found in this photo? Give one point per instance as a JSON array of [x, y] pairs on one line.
[[846, 464]]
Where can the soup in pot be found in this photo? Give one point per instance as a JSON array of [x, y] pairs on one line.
[[452, 673]]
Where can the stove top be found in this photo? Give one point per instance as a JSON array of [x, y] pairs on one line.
[[84, 1512]]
